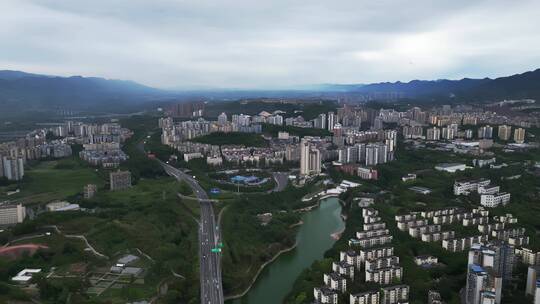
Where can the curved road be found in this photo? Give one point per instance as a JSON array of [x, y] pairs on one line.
[[210, 262]]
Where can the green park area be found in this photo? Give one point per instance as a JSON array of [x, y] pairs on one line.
[[147, 218], [51, 180], [247, 251]]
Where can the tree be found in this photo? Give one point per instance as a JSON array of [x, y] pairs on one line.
[[185, 189], [300, 298]]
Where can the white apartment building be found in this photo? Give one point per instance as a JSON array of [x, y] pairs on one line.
[[351, 257], [383, 262], [437, 236], [371, 233], [375, 226], [372, 241], [343, 268], [335, 281], [416, 232], [466, 187], [11, 214], [507, 233], [488, 189], [404, 226], [369, 212], [385, 276], [368, 297], [494, 200], [191, 156], [324, 295], [425, 260], [375, 253], [395, 294], [521, 240], [528, 256], [310, 159], [455, 245], [405, 217]]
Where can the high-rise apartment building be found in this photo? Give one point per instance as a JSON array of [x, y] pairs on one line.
[[222, 118], [120, 180], [519, 135], [485, 132], [433, 134], [310, 159], [12, 167], [504, 132], [331, 121], [476, 282]]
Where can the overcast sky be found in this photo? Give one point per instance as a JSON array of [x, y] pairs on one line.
[[274, 43]]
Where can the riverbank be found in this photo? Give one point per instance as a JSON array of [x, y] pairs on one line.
[[274, 278], [261, 268]]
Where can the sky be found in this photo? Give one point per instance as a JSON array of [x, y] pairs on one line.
[[269, 44]]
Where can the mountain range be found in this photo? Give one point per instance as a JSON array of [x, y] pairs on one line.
[[25, 91]]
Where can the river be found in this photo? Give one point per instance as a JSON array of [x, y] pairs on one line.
[[313, 239]]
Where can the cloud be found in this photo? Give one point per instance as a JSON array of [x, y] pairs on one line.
[[257, 44]]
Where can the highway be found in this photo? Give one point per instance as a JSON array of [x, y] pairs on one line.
[[209, 237]]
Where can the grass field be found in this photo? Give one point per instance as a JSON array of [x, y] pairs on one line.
[[51, 180]]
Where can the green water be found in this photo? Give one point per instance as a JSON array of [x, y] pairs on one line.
[[276, 280]]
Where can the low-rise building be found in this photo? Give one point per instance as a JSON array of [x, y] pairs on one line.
[[505, 234], [11, 213], [89, 191], [191, 156], [375, 226], [371, 233], [24, 276], [422, 260], [416, 232], [494, 200], [460, 244], [62, 206], [528, 256], [404, 226], [437, 236], [371, 241], [375, 253], [384, 262], [466, 187], [488, 228], [521, 240], [395, 294], [405, 217], [475, 221], [450, 167]]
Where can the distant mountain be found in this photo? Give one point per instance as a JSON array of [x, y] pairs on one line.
[[419, 88], [526, 85], [20, 90]]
